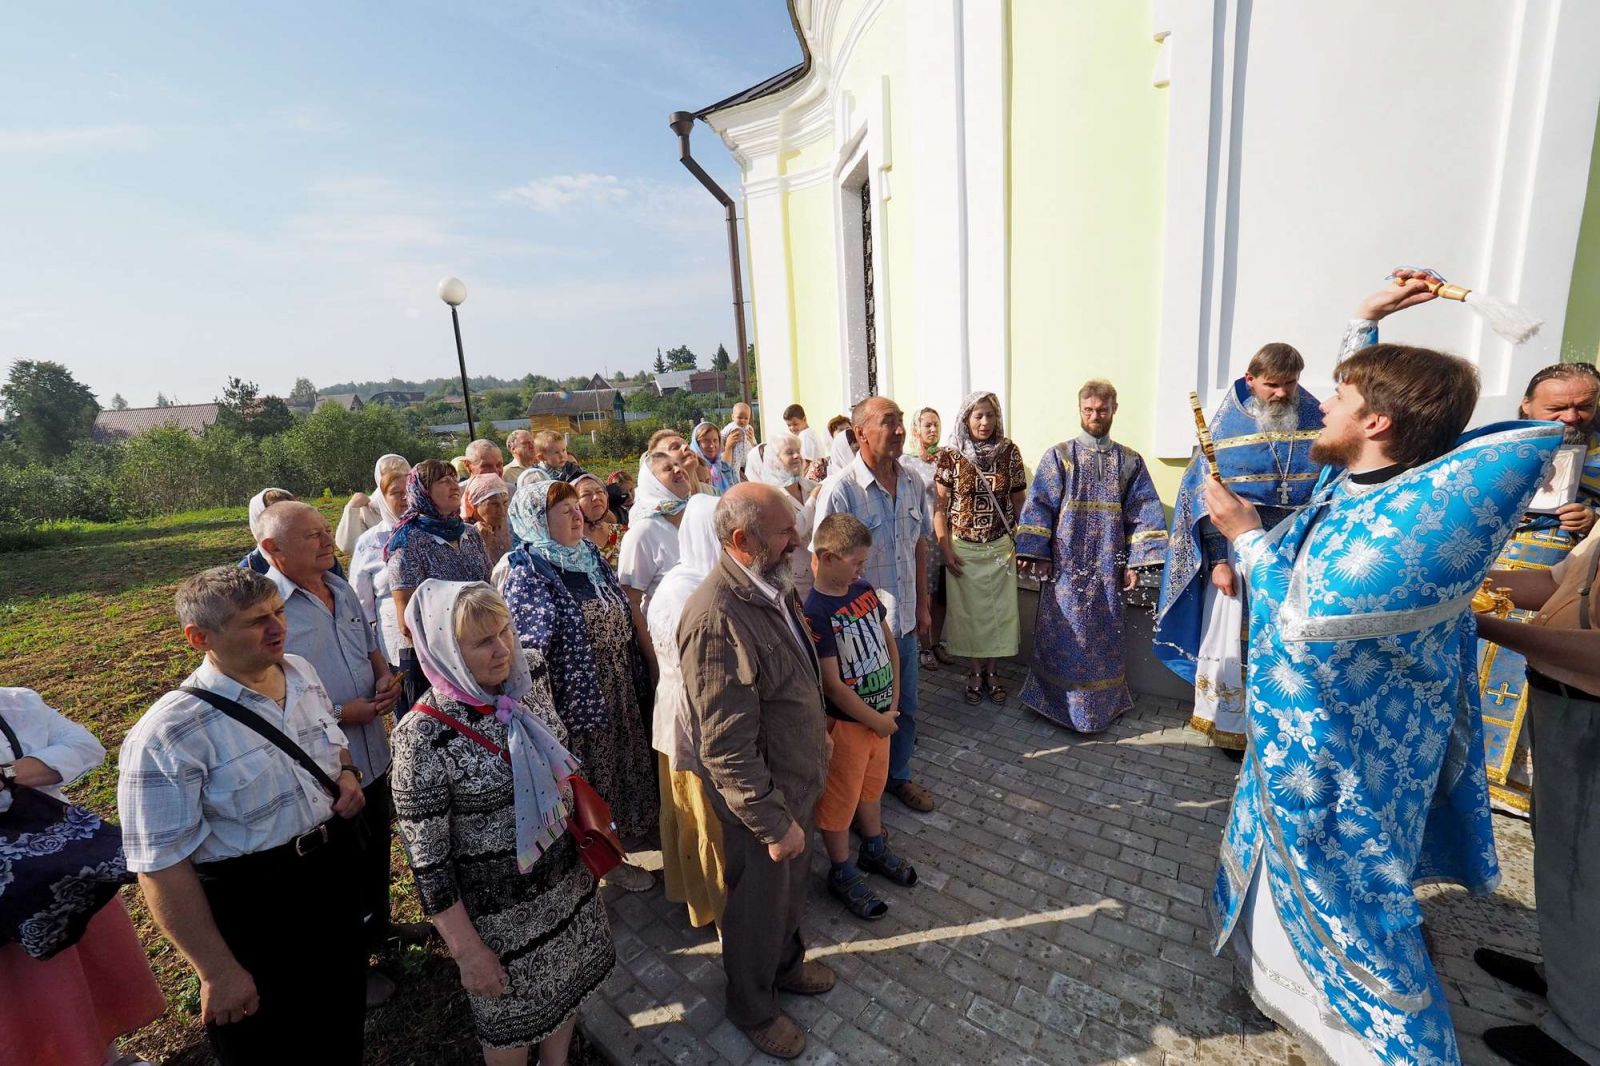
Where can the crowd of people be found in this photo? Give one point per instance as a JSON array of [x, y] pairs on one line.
[[720, 653]]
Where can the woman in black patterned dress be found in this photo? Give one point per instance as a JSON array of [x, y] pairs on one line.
[[482, 796]]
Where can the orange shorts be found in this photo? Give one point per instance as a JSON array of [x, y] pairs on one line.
[[857, 771]]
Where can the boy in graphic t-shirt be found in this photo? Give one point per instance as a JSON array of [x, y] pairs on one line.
[[860, 678]]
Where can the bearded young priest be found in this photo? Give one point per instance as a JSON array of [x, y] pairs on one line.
[[1364, 772]]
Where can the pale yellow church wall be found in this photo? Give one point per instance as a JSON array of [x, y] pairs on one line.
[[1087, 160], [813, 300]]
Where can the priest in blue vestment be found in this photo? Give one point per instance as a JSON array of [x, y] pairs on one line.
[[1364, 773], [1561, 515], [1263, 431], [1092, 519]]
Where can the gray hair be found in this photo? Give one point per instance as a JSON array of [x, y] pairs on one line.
[[482, 447], [278, 520], [518, 435], [210, 599], [737, 512]]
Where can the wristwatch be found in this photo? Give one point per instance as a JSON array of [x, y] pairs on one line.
[[8, 775], [338, 713], [351, 768]]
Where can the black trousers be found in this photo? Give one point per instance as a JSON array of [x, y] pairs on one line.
[[285, 919], [374, 862]]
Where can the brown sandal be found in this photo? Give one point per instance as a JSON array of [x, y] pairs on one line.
[[782, 1038], [997, 690], [814, 980]]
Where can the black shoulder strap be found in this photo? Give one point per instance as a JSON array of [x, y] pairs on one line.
[[251, 720], [11, 738]]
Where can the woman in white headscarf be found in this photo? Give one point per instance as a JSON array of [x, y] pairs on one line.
[[692, 862], [783, 468], [650, 547], [369, 573], [363, 511], [482, 795], [844, 450]]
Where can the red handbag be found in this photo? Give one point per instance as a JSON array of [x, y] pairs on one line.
[[590, 824]]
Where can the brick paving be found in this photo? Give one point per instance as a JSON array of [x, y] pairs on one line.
[[1060, 917]]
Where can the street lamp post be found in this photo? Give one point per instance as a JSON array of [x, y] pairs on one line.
[[453, 291]]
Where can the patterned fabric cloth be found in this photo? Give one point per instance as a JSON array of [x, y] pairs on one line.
[[1364, 773], [453, 803], [540, 766], [973, 516], [597, 679], [1092, 510], [425, 556]]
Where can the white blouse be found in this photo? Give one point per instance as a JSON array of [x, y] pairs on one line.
[[49, 736]]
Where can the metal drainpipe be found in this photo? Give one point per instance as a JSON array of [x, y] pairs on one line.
[[682, 123]]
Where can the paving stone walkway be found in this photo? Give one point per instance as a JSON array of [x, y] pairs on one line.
[[1060, 917]]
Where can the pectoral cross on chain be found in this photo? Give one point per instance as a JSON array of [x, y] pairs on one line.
[[1283, 493]]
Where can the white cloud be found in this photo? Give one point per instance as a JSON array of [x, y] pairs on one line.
[[75, 138], [566, 190]]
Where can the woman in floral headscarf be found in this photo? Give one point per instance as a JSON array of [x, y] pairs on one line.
[[569, 608], [981, 483], [706, 442], [430, 540], [483, 821]]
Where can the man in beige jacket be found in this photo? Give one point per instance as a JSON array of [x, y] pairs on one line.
[[754, 695]]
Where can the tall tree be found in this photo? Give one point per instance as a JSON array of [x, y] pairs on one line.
[[721, 361], [47, 407], [242, 407], [118, 403], [304, 394], [661, 364], [162, 401], [681, 358]]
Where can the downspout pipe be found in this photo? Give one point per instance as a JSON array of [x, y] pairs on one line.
[[682, 123]]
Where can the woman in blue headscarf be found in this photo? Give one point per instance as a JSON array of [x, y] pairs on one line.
[[706, 442], [569, 608]]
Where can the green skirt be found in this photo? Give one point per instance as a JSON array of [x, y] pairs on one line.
[[980, 619]]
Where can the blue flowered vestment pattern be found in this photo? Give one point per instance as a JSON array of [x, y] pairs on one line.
[[1089, 513], [1254, 464], [1364, 774]]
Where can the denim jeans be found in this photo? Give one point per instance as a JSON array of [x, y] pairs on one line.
[[904, 740]]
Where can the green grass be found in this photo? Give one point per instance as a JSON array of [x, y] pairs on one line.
[[86, 619]]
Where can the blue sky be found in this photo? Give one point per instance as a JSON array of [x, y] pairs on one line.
[[194, 190]]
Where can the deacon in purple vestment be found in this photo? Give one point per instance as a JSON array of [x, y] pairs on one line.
[[1092, 517]]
